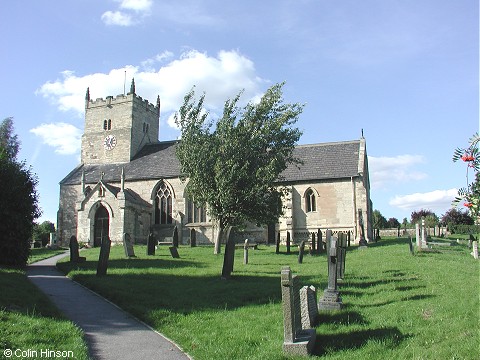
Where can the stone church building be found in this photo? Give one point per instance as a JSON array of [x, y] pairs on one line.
[[128, 182]]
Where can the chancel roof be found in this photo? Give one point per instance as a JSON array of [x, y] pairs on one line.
[[155, 161]]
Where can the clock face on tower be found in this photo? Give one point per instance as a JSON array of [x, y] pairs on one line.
[[109, 142]]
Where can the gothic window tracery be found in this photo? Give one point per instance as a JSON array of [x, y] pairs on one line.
[[195, 214], [163, 205]]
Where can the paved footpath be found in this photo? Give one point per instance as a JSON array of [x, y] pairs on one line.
[[110, 332]]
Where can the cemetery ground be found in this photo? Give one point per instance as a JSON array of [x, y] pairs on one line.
[[397, 305], [28, 320]]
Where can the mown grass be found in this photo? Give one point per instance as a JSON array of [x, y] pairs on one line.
[[43, 253], [397, 306], [29, 321]]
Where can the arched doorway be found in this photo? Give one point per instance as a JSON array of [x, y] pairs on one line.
[[101, 227]]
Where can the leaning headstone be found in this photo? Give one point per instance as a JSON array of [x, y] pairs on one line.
[[308, 306], [229, 256], [175, 237], [193, 238], [297, 341], [301, 250], [331, 299], [128, 246], [174, 252], [245, 252], [103, 258], [277, 244], [475, 249], [151, 244], [288, 242]]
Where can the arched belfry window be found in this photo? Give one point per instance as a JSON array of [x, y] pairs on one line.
[[310, 201], [163, 205], [107, 124]]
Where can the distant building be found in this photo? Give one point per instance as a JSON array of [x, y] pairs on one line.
[[128, 182]]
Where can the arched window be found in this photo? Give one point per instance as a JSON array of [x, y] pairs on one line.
[[163, 205], [310, 201], [195, 213], [107, 124]]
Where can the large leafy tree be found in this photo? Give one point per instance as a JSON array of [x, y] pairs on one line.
[[41, 232], [416, 216], [232, 164], [18, 200], [455, 216]]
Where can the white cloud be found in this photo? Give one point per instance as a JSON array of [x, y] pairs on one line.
[[136, 5], [117, 18], [386, 171], [220, 77], [65, 138], [437, 200]]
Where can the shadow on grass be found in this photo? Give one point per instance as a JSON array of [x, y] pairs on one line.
[[390, 337], [341, 317]]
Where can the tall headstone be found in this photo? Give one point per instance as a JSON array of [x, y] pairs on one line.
[[424, 237], [229, 256], [475, 249], [102, 265], [174, 252], [301, 251], [128, 246], [328, 237], [331, 299], [277, 244], [193, 238], [151, 242], [319, 242], [417, 235], [288, 242], [362, 241], [314, 245], [245, 252], [175, 237], [74, 255], [342, 253], [410, 246], [296, 341]]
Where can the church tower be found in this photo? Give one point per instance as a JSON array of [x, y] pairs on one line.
[[116, 128]]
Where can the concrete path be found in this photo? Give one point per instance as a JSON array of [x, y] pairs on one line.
[[110, 332]]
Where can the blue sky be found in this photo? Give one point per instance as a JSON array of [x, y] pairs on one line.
[[404, 71]]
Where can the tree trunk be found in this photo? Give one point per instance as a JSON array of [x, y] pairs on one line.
[[218, 240]]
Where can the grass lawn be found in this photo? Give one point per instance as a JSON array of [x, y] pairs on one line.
[[398, 306], [43, 253], [30, 322]]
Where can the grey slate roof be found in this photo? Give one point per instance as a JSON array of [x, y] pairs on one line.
[[319, 162]]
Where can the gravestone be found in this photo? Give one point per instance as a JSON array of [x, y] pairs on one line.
[[74, 255], [174, 252], [296, 341], [349, 235], [424, 237], [331, 299], [328, 237], [74, 251], [417, 235], [319, 242], [410, 245], [288, 242], [301, 250], [277, 244], [362, 242], [175, 237], [229, 256], [245, 252], [128, 246], [313, 250], [103, 258], [193, 238], [475, 249], [151, 242], [342, 253], [308, 306]]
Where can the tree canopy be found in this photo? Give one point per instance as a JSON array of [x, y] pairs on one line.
[[18, 200], [233, 163]]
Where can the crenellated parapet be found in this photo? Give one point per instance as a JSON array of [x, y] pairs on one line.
[[122, 98]]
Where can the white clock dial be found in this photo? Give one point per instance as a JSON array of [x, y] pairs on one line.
[[110, 142]]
